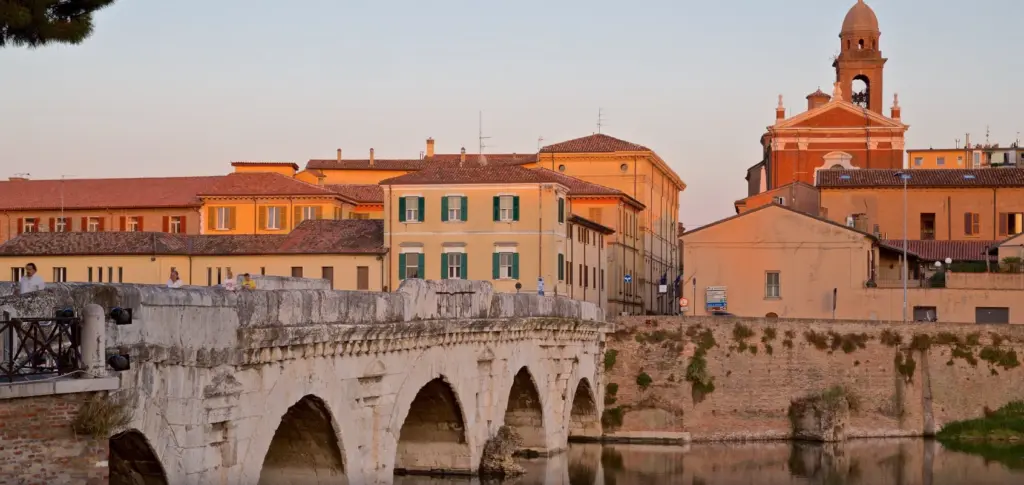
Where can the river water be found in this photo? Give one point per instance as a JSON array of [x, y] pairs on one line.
[[857, 462]]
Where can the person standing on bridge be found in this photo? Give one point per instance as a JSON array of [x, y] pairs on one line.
[[174, 281], [230, 284], [247, 282], [30, 282]]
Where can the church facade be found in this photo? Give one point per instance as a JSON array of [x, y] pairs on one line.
[[846, 129]]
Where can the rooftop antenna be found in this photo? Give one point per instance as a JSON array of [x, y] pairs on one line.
[[600, 119], [482, 159], [540, 142], [986, 135], [957, 140]]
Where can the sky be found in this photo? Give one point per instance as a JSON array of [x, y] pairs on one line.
[[185, 87]]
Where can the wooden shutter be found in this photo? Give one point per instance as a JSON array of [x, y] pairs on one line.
[[497, 208], [561, 267], [231, 218], [496, 266], [401, 209], [515, 208], [422, 209], [124, 223], [263, 215], [102, 224], [464, 208], [362, 277], [444, 209], [1003, 223], [401, 266], [422, 266], [561, 210], [211, 218], [53, 224], [85, 226], [465, 266], [142, 223], [182, 226], [967, 223], [444, 266], [515, 265], [21, 225], [297, 215], [167, 223], [283, 211], [318, 212]]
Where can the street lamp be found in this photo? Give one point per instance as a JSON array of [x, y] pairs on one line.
[[904, 176]]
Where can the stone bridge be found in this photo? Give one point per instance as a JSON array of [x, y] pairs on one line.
[[309, 386]]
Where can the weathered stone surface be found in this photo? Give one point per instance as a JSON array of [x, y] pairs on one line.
[[820, 418], [498, 454]]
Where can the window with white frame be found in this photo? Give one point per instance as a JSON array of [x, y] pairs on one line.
[[455, 265], [772, 285], [92, 224], [223, 218], [17, 273], [506, 203], [174, 225], [30, 224], [412, 209], [309, 213], [60, 275], [132, 224], [60, 224], [412, 265], [454, 208], [505, 265], [273, 218]]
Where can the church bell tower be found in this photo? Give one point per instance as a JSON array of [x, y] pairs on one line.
[[860, 64]]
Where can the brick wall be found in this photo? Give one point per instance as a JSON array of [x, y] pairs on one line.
[[753, 388], [38, 446]]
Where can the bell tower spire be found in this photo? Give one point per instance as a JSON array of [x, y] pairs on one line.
[[860, 65]]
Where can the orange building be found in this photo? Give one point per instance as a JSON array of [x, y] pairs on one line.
[[845, 130]]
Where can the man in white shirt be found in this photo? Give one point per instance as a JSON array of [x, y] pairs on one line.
[[175, 281], [30, 282]]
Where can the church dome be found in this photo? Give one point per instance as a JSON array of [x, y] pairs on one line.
[[860, 18]]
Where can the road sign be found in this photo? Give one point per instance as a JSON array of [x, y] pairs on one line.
[[628, 278], [683, 302]]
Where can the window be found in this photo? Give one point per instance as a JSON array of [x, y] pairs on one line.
[[410, 265], [120, 274], [410, 209], [506, 206], [296, 271], [623, 168], [60, 275], [110, 274], [453, 265], [327, 273], [310, 213], [928, 226], [92, 224], [779, 200], [977, 160], [561, 210], [90, 274], [61, 224], [772, 285], [132, 224], [972, 223], [586, 276], [1011, 223], [99, 274], [209, 276], [506, 265], [263, 270], [362, 277], [175, 225], [940, 161], [561, 267], [602, 279], [30, 224], [273, 218], [453, 208], [17, 273], [561, 168], [223, 218], [918, 161], [358, 215], [960, 161]]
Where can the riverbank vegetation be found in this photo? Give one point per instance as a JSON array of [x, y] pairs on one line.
[[999, 436]]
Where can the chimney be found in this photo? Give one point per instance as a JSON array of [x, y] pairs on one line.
[[430, 148], [780, 111], [339, 154], [18, 178], [896, 111], [462, 156], [371, 157], [816, 99]]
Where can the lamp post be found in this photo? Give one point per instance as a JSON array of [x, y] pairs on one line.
[[903, 176]]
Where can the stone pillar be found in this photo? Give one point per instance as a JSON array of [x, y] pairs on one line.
[[94, 340]]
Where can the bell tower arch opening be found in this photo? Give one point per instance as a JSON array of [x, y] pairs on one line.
[[861, 91]]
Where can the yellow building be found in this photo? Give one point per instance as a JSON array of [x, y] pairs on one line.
[[932, 158], [369, 199], [506, 224], [350, 254]]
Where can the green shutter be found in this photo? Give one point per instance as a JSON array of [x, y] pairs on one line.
[[515, 265], [401, 209], [515, 208], [401, 266], [465, 267], [444, 266], [422, 267], [497, 208], [465, 208], [561, 210], [423, 214], [561, 267], [444, 209], [496, 266]]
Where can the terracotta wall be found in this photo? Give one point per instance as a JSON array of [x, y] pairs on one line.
[[755, 381]]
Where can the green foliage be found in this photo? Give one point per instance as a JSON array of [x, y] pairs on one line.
[[769, 334], [102, 414], [643, 380], [818, 340], [741, 332], [969, 267], [790, 334], [35, 23], [891, 339], [921, 341], [788, 343], [768, 349], [974, 338], [1011, 264], [1005, 358], [833, 341], [609, 359], [611, 418], [946, 338], [611, 389], [965, 353], [997, 339], [999, 436], [905, 364]]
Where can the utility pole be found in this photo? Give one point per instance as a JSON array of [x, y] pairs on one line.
[[600, 119], [480, 124]]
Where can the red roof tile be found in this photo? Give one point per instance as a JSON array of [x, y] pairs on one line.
[[959, 178], [596, 143], [123, 193], [309, 237], [361, 193], [583, 221], [489, 174], [293, 165], [940, 250], [260, 183], [441, 159]]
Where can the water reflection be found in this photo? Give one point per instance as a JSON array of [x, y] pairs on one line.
[[858, 462]]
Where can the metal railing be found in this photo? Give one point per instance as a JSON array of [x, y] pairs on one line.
[[36, 348]]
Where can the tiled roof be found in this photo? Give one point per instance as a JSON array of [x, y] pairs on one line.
[[309, 237], [577, 186], [123, 193], [260, 183], [489, 174], [293, 165], [940, 250], [960, 178], [583, 221], [596, 143], [441, 159], [361, 193]]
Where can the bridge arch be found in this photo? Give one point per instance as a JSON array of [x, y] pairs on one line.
[[434, 435], [525, 411], [305, 447], [132, 461], [584, 421]]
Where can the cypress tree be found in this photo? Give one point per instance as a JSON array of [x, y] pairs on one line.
[[36, 23]]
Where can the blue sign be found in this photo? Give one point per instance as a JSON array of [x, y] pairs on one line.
[[628, 278]]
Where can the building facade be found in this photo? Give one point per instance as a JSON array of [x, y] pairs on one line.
[[971, 156]]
